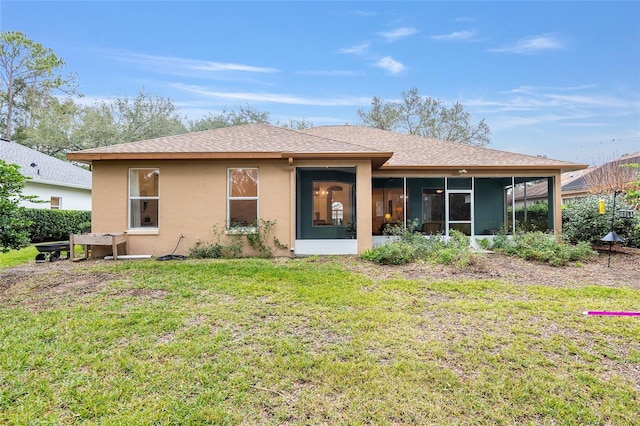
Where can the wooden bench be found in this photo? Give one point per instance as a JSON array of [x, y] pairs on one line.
[[88, 240]]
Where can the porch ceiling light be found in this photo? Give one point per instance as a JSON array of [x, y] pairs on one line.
[[462, 171]]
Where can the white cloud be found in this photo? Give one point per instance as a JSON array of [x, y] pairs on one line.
[[389, 64], [398, 33], [220, 66], [355, 50], [278, 98], [456, 35], [530, 45], [184, 66]]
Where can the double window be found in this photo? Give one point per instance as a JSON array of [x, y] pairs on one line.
[[242, 198], [143, 198]]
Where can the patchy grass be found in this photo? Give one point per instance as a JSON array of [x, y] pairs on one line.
[[17, 257], [304, 341]]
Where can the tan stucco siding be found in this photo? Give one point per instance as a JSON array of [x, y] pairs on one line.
[[192, 199]]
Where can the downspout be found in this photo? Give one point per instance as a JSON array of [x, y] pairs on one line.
[[404, 204], [292, 207], [513, 205], [525, 203]]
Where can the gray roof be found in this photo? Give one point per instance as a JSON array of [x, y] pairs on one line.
[[388, 149], [413, 150], [42, 168]]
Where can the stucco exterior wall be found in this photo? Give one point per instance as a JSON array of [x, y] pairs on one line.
[[192, 199], [71, 198]]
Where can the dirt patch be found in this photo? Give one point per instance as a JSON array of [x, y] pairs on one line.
[[624, 270], [39, 281], [38, 285]]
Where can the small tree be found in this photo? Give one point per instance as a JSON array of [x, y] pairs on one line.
[[14, 229]]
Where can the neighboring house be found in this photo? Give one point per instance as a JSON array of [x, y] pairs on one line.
[[315, 184], [581, 183], [61, 185]]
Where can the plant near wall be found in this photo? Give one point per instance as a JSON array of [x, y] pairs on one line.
[[409, 246], [233, 244]]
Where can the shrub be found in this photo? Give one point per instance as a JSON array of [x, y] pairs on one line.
[[54, 225], [409, 246], [548, 248], [581, 221], [232, 244], [206, 251], [537, 217]]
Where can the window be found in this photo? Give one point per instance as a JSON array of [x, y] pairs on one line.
[[143, 198], [332, 203], [242, 200], [56, 203]]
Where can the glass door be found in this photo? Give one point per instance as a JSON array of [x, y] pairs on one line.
[[460, 214]]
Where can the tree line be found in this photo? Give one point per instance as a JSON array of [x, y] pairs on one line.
[[37, 109]]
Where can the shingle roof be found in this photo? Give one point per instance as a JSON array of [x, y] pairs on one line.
[[259, 138], [412, 151], [43, 168], [266, 141]]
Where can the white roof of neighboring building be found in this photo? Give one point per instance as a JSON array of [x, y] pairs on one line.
[[42, 168]]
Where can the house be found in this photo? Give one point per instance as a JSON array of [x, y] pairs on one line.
[[59, 184], [577, 184], [315, 184]]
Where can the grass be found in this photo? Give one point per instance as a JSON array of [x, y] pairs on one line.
[[17, 257], [306, 341]]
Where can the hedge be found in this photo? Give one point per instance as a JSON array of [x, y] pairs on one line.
[[56, 225]]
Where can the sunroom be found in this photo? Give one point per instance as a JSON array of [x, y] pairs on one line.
[[475, 206]]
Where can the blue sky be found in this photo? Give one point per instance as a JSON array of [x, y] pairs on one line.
[[560, 79]]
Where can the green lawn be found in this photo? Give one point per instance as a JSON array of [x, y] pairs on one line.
[[307, 342], [17, 257]]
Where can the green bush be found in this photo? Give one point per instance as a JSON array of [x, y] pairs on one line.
[[409, 246], [581, 221], [56, 225], [206, 251], [537, 217], [548, 248]]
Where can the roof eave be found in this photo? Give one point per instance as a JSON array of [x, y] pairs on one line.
[[470, 168], [377, 158], [98, 156]]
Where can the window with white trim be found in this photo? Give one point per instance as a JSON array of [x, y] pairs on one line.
[[242, 198], [143, 198]]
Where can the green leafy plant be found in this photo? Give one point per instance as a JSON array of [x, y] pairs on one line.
[[206, 251], [581, 221], [537, 217], [54, 225], [552, 249], [231, 242], [408, 246], [14, 227]]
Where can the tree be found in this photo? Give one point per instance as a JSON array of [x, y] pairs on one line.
[[227, 118], [613, 176], [14, 229], [295, 124], [28, 73], [64, 126], [56, 129], [145, 117], [426, 116]]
